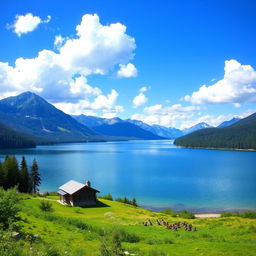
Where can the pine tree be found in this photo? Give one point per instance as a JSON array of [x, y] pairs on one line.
[[11, 170], [134, 202], [35, 176], [1, 175], [24, 184], [126, 201]]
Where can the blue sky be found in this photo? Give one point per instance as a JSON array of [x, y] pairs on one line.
[[173, 63]]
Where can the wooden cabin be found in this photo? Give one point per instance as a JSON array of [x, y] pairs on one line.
[[77, 194]]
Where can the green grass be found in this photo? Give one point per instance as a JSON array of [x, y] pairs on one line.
[[79, 231]]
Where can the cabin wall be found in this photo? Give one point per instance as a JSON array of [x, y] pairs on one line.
[[84, 197]]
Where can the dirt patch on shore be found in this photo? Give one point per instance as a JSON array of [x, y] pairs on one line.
[[207, 215]]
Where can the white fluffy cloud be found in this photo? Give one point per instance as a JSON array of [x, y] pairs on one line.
[[144, 88], [139, 100], [24, 24], [105, 104], [128, 70], [61, 76], [214, 120], [58, 41], [237, 86], [169, 116]]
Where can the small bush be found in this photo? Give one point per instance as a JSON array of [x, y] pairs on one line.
[[226, 214], [170, 212], [187, 215], [9, 209], [249, 214], [46, 206], [183, 214]]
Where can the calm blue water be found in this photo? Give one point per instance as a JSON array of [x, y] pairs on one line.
[[157, 173]]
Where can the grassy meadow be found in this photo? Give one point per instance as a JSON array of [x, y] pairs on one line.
[[82, 231]]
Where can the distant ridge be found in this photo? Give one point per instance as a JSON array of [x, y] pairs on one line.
[[228, 123], [240, 135], [116, 127], [162, 131], [95, 123]]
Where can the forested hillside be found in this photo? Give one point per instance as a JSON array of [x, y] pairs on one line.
[[12, 139], [241, 135]]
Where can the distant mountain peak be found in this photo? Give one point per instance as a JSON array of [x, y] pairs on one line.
[[229, 122], [33, 115], [196, 127]]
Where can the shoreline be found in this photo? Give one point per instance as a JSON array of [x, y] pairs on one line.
[[198, 210], [222, 149]]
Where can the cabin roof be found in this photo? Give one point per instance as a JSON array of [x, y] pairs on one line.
[[61, 192], [72, 187]]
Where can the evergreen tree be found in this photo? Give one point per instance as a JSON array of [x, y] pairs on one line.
[[24, 184], [35, 176], [126, 201], [134, 202], [1, 175], [11, 170]]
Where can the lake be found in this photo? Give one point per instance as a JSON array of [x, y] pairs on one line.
[[157, 173]]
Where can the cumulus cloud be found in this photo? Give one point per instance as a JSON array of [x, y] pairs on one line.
[[139, 100], [238, 86], [144, 88], [79, 86], [105, 104], [24, 24], [214, 120], [61, 76], [58, 41], [169, 116], [128, 70]]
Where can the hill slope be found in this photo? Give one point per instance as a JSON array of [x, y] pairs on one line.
[[76, 231], [11, 139], [32, 115], [241, 135]]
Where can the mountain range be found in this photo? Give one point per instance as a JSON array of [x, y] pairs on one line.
[[32, 118], [117, 127], [112, 126]]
